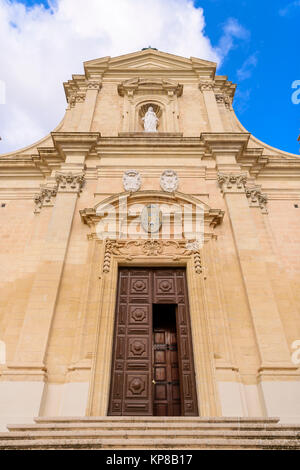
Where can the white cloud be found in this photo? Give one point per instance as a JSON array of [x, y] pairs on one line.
[[247, 68], [232, 30], [41, 48], [289, 8]]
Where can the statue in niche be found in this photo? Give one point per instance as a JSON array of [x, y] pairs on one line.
[[150, 120]]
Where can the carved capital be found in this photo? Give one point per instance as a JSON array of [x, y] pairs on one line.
[[70, 182], [257, 198], [94, 85], [232, 183], [222, 98], [44, 198], [206, 86], [72, 99], [75, 97]]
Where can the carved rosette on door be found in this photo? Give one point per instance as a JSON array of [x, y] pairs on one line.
[[134, 383]]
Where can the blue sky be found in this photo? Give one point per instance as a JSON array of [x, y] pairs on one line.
[[257, 43], [263, 102]]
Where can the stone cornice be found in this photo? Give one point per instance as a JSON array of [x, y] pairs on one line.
[[74, 143], [76, 89], [233, 143]]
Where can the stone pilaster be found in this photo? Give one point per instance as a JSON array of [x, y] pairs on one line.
[[29, 360], [91, 96], [270, 337], [213, 112]]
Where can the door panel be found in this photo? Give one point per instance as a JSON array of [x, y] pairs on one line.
[[131, 389], [140, 354]]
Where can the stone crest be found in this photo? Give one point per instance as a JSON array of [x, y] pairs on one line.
[[169, 181], [132, 180], [151, 218]]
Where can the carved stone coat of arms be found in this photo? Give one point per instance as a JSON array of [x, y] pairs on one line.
[[169, 181], [132, 180]]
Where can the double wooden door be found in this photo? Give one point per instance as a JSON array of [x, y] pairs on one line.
[[152, 370]]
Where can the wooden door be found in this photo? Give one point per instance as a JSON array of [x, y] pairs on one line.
[[133, 370], [166, 396], [131, 388]]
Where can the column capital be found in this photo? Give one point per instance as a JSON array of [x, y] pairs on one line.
[[69, 182], [45, 198], [257, 198], [232, 183], [207, 85]]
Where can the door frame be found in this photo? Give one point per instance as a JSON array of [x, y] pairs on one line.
[[202, 346]]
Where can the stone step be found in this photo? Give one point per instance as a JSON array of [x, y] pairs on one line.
[[158, 434], [153, 419], [149, 444], [119, 433], [108, 426]]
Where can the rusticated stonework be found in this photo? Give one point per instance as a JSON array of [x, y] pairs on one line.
[[70, 182]]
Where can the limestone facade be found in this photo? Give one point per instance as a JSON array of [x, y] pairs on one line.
[[58, 278]]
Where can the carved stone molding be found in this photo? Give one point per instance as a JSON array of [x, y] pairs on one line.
[[232, 183], [44, 198], [134, 249], [257, 198], [146, 86], [70, 182]]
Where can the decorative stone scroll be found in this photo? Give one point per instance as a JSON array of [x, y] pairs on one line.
[[169, 181], [232, 183], [44, 198], [257, 198], [132, 181], [133, 249], [70, 182]]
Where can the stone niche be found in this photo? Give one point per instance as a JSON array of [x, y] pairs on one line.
[[161, 94]]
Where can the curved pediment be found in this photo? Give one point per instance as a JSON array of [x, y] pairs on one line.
[[179, 201]]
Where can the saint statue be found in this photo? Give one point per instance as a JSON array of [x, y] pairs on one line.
[[150, 120]]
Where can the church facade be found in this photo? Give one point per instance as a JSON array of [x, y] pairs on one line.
[[150, 254]]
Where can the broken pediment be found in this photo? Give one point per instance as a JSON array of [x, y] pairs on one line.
[[149, 86]]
